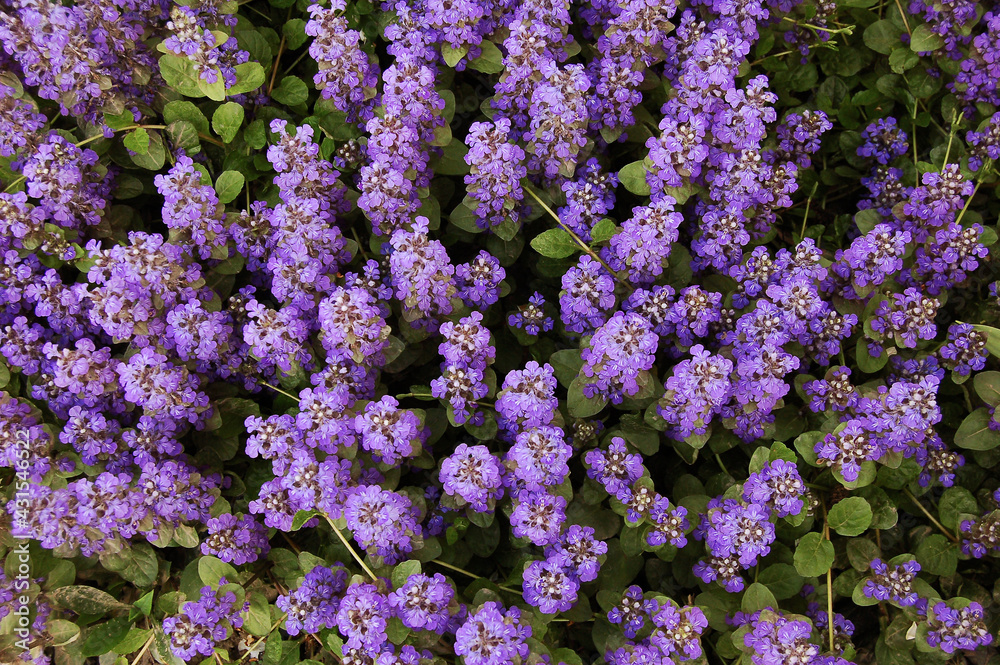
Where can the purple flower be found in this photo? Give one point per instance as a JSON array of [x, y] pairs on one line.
[[539, 458], [474, 475], [779, 486], [579, 552], [895, 584], [619, 351], [491, 636], [363, 617], [382, 521], [549, 587], [527, 398], [389, 432], [478, 281], [615, 468], [587, 297], [314, 604], [422, 602], [538, 516], [964, 628]]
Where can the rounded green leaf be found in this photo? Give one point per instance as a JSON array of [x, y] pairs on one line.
[[555, 244], [633, 178], [850, 516], [229, 185], [813, 555], [975, 434], [226, 121]]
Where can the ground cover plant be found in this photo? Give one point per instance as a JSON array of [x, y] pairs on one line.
[[492, 332]]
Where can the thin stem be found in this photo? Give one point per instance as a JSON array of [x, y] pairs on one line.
[[17, 181], [805, 217], [584, 246], [361, 247], [926, 512], [983, 170], [297, 61], [829, 584], [903, 14], [253, 647], [279, 390], [277, 58], [722, 465], [472, 575], [145, 648], [347, 544], [951, 136], [488, 405], [776, 55], [211, 140]]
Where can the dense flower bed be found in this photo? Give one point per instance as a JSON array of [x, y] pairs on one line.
[[499, 333]]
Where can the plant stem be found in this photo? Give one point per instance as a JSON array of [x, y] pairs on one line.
[[926, 512], [472, 575], [279, 390], [351, 549], [145, 648], [805, 217], [256, 644], [829, 585], [584, 246]]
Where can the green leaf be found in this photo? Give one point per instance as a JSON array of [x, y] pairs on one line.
[[119, 121], [883, 36], [295, 33], [988, 387], [102, 637], [155, 154], [813, 555], [136, 563], [781, 579], [137, 141], [757, 597], [452, 160], [292, 91], [62, 632], [144, 604], [937, 555], [578, 404], [490, 61], [180, 74], [604, 230], [923, 40], [184, 110], [955, 501], [214, 91], [404, 571], [901, 60], [258, 617], [249, 77], [229, 185], [633, 178], [132, 641], [226, 121], [183, 135], [211, 570], [301, 517], [975, 434], [992, 338], [453, 56], [850, 516], [84, 599], [555, 244], [567, 364]]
